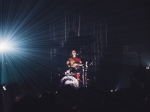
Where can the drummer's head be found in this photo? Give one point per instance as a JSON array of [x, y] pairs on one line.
[[73, 53]]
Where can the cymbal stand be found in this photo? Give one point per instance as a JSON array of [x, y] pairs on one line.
[[84, 76]]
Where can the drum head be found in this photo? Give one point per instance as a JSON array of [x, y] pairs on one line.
[[70, 80]]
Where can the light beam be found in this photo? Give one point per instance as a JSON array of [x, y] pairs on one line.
[[6, 46]]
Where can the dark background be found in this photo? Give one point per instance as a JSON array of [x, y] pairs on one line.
[[111, 34], [114, 35]]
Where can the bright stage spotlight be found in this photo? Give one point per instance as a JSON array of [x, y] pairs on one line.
[[6, 46]]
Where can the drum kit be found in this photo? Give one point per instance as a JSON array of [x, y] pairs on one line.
[[75, 78]]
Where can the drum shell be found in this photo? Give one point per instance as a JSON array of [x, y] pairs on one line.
[[78, 76]]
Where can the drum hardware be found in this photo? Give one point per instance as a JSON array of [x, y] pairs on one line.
[[85, 73]]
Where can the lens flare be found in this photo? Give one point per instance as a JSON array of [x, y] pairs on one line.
[[6, 46]]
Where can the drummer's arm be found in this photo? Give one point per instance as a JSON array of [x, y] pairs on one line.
[[68, 64], [80, 61]]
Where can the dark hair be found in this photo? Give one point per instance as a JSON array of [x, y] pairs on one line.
[[71, 53]]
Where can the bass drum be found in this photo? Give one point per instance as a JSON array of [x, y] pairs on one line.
[[70, 80]]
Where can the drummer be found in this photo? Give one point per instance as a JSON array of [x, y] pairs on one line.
[[74, 62]]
